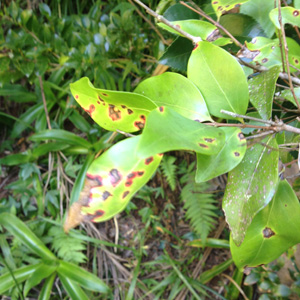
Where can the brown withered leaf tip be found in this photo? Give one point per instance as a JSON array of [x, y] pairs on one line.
[[74, 217]]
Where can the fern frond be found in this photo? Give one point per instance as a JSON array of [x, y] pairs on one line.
[[200, 207], [67, 247], [169, 170]]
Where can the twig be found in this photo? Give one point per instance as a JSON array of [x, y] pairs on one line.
[[217, 24], [286, 54], [151, 25], [236, 285], [259, 135], [160, 18], [44, 102], [232, 114]]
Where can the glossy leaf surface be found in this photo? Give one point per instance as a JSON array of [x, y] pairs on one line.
[[222, 6], [73, 289], [229, 156], [259, 11], [175, 91], [197, 28], [84, 278], [261, 91], [167, 130], [112, 110], [206, 70], [251, 186], [289, 15], [272, 231], [111, 181]]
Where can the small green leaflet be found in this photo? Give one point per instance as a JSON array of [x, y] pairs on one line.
[[289, 15], [221, 6]]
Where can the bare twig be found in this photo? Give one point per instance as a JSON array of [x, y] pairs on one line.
[[44, 102], [286, 54], [160, 18], [151, 25]]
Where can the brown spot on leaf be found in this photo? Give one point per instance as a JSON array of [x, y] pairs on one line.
[[215, 2], [100, 99], [96, 178], [161, 108], [98, 102], [98, 213], [264, 60], [296, 61], [139, 125], [125, 194], [105, 95], [115, 176], [268, 232], [209, 140], [123, 106], [114, 113], [128, 183], [237, 154], [105, 195], [149, 160], [131, 175], [129, 111], [241, 136], [196, 47], [76, 96], [296, 13], [203, 145], [142, 117], [140, 173]]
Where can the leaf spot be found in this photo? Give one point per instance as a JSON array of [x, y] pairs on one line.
[[296, 13], [161, 108], [264, 60], [115, 176], [114, 113], [209, 140], [105, 195], [76, 96], [203, 145], [129, 111], [268, 232], [236, 154], [149, 160], [139, 125], [125, 194], [241, 136]]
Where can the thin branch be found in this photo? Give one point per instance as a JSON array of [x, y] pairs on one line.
[[217, 24], [44, 102], [151, 25], [236, 285], [286, 54], [160, 18]]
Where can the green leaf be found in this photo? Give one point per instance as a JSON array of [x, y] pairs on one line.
[[206, 70], [46, 291], [74, 291], [272, 231], [61, 135], [112, 110], [259, 11], [261, 91], [17, 93], [42, 272], [251, 186], [287, 94], [289, 15], [115, 177], [20, 275], [210, 242], [84, 278], [17, 228], [177, 54], [175, 91], [166, 130], [228, 157], [15, 159], [222, 6], [194, 27]]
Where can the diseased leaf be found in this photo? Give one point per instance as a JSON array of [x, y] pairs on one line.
[[206, 70], [175, 91], [112, 110], [259, 10], [167, 130], [229, 156], [251, 186], [261, 91], [222, 6], [289, 15], [111, 181], [272, 231]]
